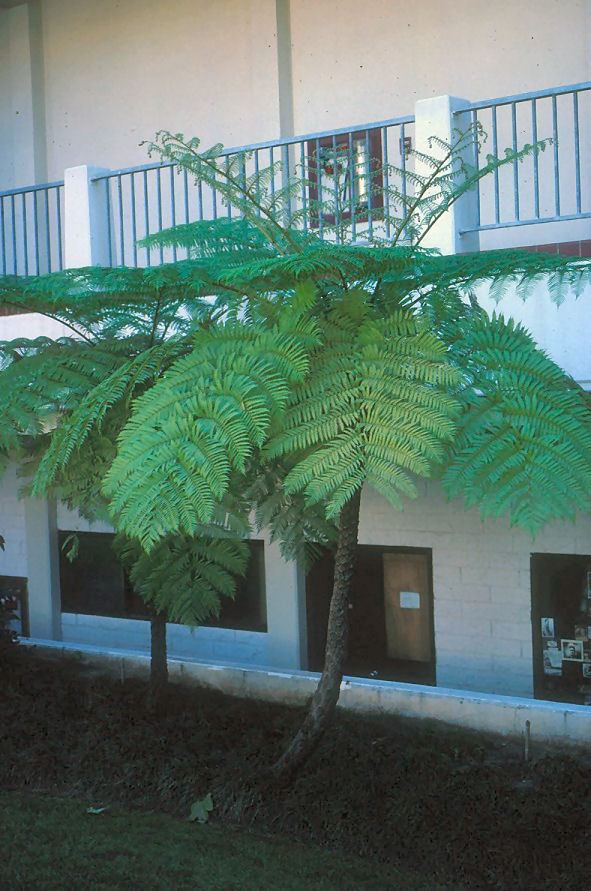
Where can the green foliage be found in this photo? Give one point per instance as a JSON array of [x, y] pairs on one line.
[[275, 372], [185, 577], [201, 809], [523, 445]]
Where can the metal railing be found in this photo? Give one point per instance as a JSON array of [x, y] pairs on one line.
[[31, 232], [549, 186], [146, 199]]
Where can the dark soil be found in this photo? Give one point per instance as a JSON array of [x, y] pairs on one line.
[[459, 807]]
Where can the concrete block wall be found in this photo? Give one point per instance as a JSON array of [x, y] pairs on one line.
[[13, 560], [481, 584], [207, 644]]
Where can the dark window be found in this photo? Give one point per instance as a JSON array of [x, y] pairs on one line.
[[561, 626], [94, 583], [344, 172]]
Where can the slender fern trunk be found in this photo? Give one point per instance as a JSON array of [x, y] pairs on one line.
[[324, 701], [158, 656]]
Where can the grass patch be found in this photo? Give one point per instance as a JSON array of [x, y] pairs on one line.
[[57, 845], [456, 807]]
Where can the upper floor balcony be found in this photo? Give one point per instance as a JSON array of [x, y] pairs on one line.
[[544, 200]]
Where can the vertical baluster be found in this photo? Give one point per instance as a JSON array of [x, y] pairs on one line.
[[186, 194], [200, 199], [285, 180], [303, 193], [496, 172], [556, 163], [515, 165], [2, 232], [47, 230], [121, 229], [319, 190], [186, 202], [227, 176], [133, 220], [386, 180], [271, 163], [534, 136], [25, 234], [214, 198], [110, 234], [403, 168], [476, 162], [36, 233], [147, 215], [336, 197], [369, 185], [577, 152], [352, 185], [172, 208], [60, 260], [256, 171], [243, 175], [159, 206], [13, 214]]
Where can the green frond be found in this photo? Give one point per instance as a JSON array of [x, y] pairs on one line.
[[200, 422], [523, 445], [185, 577]]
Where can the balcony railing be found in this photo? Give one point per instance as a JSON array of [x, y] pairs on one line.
[[31, 232], [550, 186], [146, 199], [553, 186]]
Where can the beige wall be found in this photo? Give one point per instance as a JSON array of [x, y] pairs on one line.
[[360, 62], [114, 72]]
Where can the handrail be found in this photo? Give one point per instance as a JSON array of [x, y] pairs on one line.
[[271, 143], [524, 97], [40, 187]]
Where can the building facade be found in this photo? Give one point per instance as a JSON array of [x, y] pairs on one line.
[[83, 83]]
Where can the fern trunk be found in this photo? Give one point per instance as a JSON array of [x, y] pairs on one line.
[[158, 655], [323, 703]]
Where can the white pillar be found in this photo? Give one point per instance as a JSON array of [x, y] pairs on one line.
[[86, 226], [441, 116], [43, 569], [286, 613]]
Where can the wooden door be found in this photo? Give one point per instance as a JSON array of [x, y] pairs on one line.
[[407, 606]]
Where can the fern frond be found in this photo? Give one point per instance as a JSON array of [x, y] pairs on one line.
[[185, 577]]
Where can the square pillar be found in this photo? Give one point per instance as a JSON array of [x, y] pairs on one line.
[[286, 610], [43, 569], [443, 116], [86, 221]]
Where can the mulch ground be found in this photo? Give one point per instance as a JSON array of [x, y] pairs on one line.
[[459, 807]]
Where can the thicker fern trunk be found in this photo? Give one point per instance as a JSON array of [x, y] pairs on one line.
[[323, 703], [158, 655]]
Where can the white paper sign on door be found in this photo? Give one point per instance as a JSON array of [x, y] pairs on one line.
[[410, 600]]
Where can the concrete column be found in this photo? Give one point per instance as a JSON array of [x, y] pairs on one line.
[[86, 227], [43, 569], [442, 117], [286, 612], [23, 156], [284, 67]]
